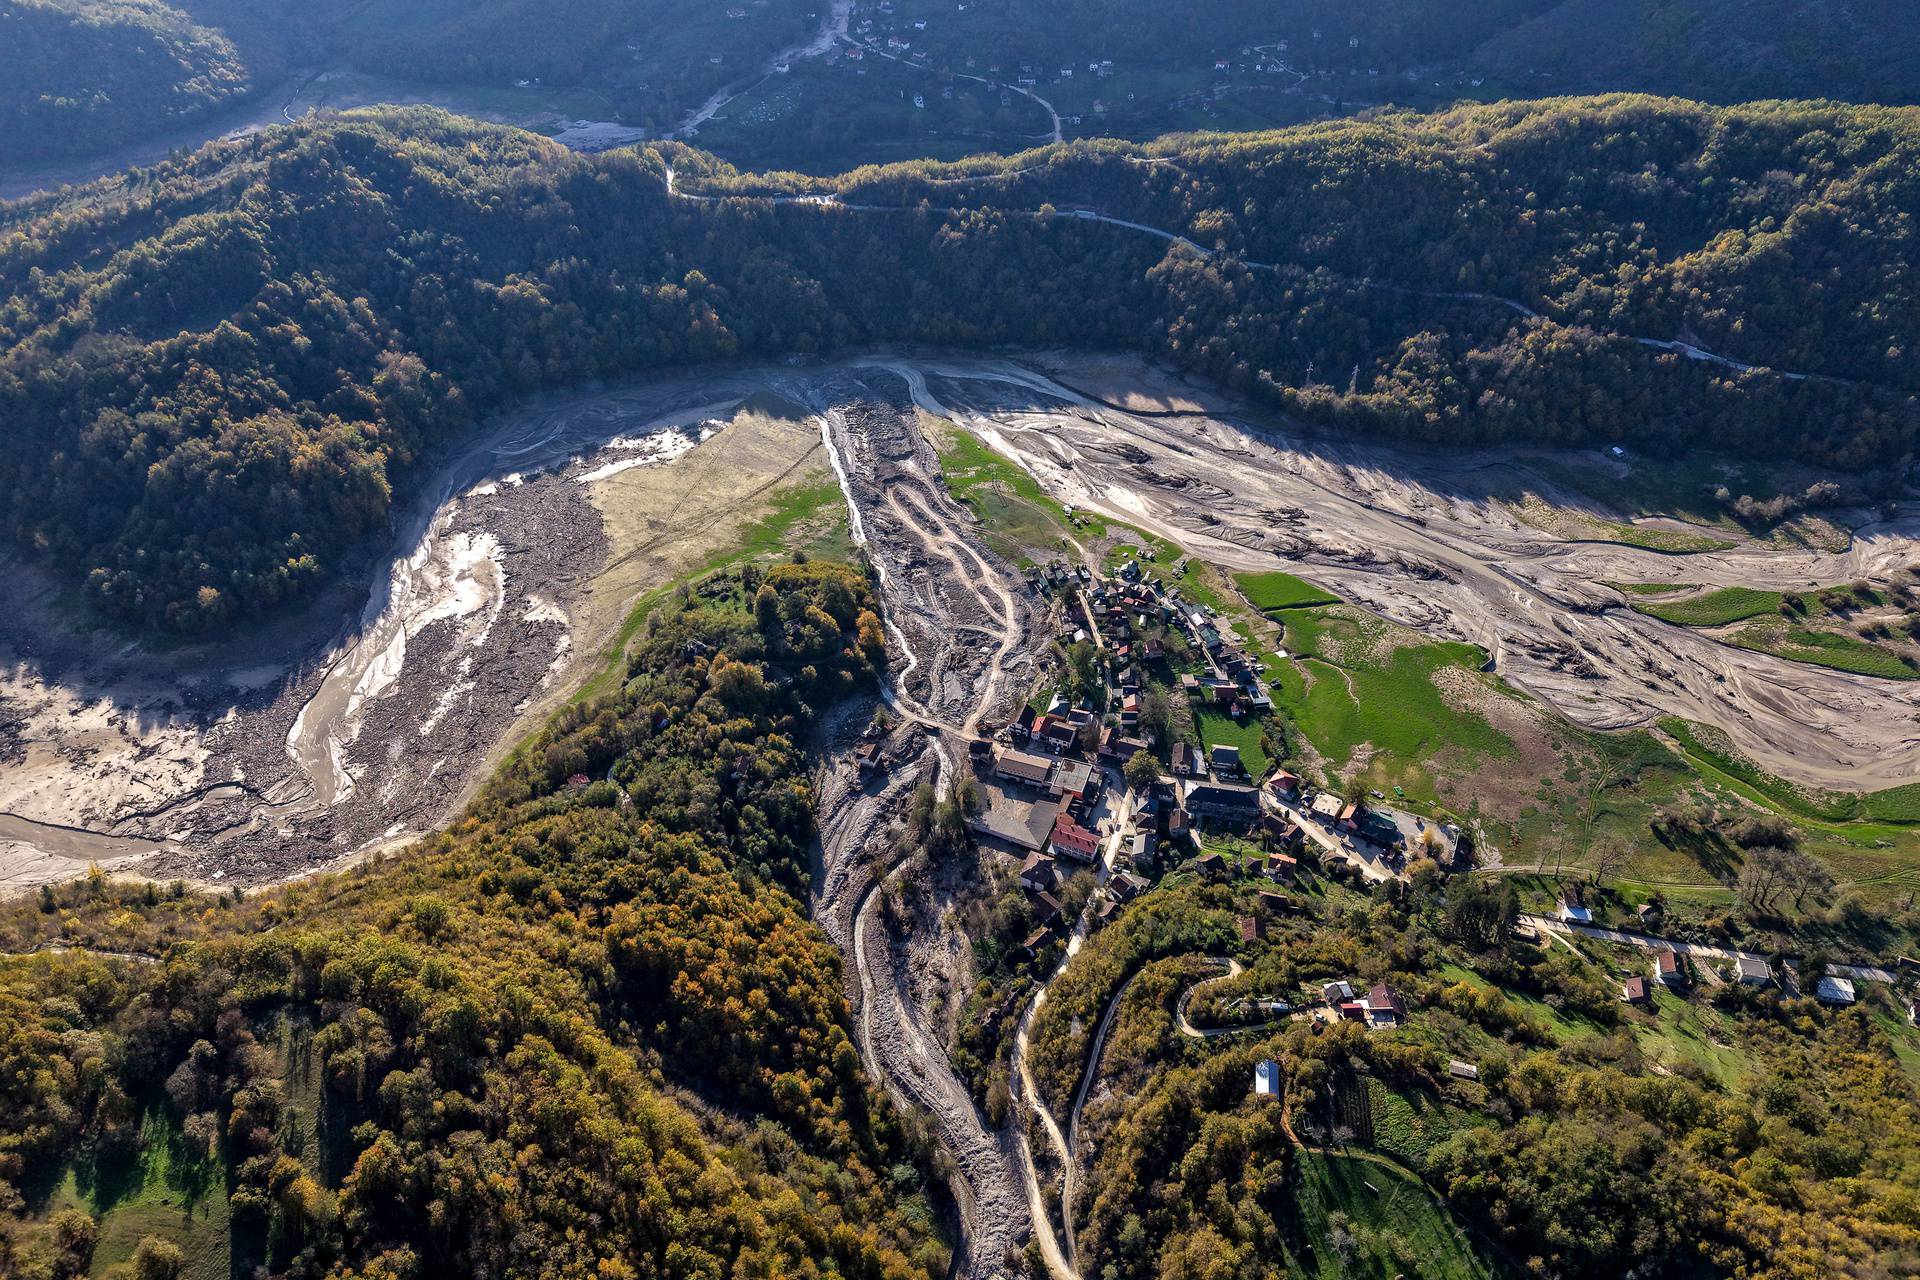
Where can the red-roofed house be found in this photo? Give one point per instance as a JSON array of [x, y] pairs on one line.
[[1071, 840]]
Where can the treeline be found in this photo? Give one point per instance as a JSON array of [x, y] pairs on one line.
[[589, 1031], [215, 377]]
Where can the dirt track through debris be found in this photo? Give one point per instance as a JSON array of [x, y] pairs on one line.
[[967, 635]]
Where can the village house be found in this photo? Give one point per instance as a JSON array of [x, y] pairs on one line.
[[1326, 806], [1071, 840], [1635, 990], [1266, 1078], [1073, 780], [1223, 802], [1052, 733], [1035, 941], [1667, 968], [1753, 971], [1336, 992], [1573, 909], [1282, 867], [1381, 1007], [1182, 764], [1127, 886], [1211, 865], [1225, 760], [1038, 873], [1047, 908], [1285, 785], [1832, 990], [1252, 928], [1274, 903], [1022, 768]]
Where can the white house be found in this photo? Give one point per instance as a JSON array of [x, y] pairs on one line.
[[1266, 1078]]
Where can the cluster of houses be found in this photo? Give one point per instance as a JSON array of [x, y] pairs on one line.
[[1669, 967]]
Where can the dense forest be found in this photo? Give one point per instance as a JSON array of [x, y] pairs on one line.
[[79, 74], [214, 375], [1719, 50], [82, 76], [587, 1031]]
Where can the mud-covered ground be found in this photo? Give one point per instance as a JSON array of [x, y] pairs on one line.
[[1434, 541], [965, 637], [363, 723]]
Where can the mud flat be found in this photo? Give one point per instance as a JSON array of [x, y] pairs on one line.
[[312, 742], [366, 721], [1430, 540], [965, 638]]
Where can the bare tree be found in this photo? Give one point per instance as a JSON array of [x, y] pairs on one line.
[[1607, 857]]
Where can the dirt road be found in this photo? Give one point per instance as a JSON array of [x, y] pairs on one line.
[[964, 634]]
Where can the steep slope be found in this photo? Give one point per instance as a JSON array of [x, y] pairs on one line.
[[84, 74], [589, 1031], [214, 377]]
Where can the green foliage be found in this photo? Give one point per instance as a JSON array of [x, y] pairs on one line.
[[79, 76], [510, 1024], [1825, 648], [1161, 924], [216, 387], [1355, 681], [1713, 608]]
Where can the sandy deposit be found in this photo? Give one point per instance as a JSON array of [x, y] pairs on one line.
[[303, 746], [1427, 540], [310, 741]]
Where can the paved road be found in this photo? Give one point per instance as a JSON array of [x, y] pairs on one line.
[[1370, 866]]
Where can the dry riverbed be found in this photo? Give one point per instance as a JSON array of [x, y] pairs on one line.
[[308, 744]]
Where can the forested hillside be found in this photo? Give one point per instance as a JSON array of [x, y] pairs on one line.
[[1722, 50], [216, 375], [589, 1031], [81, 74]]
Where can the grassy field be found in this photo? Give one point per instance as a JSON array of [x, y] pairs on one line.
[[1367, 1219], [1356, 683], [1408, 1122], [1713, 608], [1270, 592], [1651, 588], [163, 1191], [1220, 730], [1680, 1030], [810, 516], [1708, 748], [1835, 649], [1022, 523]]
